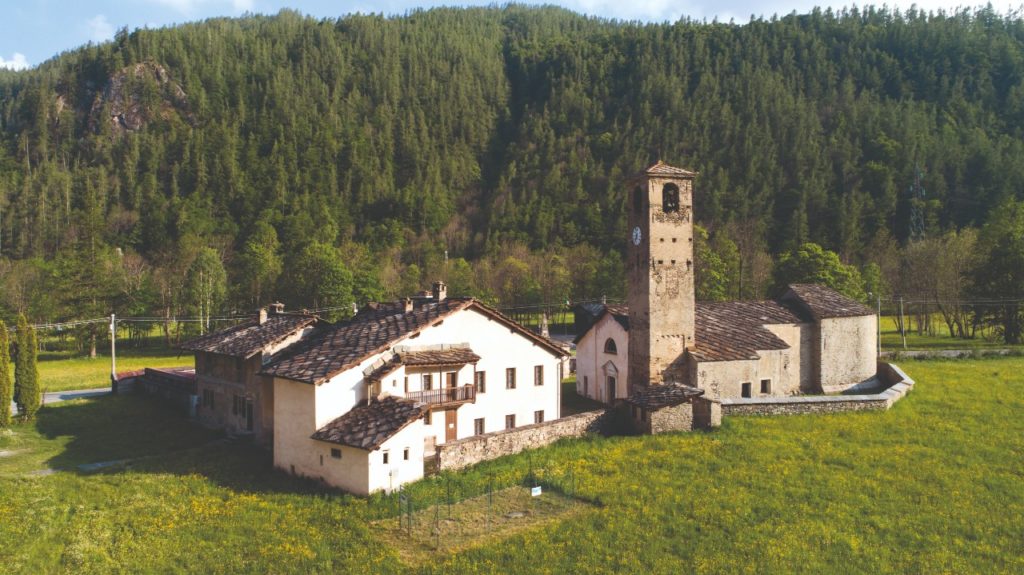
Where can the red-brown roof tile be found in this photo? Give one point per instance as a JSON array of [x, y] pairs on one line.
[[823, 302], [735, 330], [439, 357], [661, 169], [336, 348], [665, 395], [250, 337], [369, 426]]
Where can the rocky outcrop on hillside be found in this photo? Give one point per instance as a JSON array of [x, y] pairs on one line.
[[135, 96]]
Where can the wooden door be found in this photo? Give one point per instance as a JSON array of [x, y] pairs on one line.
[[449, 379], [248, 415], [451, 426]]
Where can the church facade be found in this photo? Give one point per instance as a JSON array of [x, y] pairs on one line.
[[810, 340]]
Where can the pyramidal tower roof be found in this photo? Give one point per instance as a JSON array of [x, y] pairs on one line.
[[661, 169]]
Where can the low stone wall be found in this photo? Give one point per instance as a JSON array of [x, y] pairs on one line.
[[898, 384], [175, 385], [466, 452]]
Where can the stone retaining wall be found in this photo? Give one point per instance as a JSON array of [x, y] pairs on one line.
[[466, 452], [898, 384]]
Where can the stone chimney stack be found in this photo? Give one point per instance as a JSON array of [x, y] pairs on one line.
[[440, 291], [263, 315], [407, 302], [277, 307]]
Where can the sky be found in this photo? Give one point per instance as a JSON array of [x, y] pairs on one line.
[[32, 31]]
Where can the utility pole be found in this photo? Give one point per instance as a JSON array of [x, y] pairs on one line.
[[902, 323], [113, 354], [878, 322]]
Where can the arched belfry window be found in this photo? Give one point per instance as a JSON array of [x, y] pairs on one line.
[[638, 200], [670, 198], [610, 347]]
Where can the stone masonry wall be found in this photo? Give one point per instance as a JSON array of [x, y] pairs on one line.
[[466, 452], [899, 384], [668, 419]]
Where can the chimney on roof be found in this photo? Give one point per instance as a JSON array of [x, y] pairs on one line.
[[263, 315], [440, 291], [277, 307], [407, 303]]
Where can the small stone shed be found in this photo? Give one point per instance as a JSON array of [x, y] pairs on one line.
[[672, 407]]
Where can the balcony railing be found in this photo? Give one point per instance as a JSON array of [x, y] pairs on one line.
[[464, 394]]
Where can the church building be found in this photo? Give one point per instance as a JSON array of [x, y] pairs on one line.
[[665, 349]]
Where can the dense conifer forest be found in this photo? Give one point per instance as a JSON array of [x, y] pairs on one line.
[[215, 166]]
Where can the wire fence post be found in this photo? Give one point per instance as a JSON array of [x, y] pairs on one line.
[[437, 526], [449, 480], [408, 522]]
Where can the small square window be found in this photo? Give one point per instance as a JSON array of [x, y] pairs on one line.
[[480, 379], [766, 386], [428, 381], [745, 389], [538, 416], [510, 421], [478, 426], [336, 453]]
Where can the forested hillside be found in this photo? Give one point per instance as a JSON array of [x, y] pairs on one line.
[[215, 166]]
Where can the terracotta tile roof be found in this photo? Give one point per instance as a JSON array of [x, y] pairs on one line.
[[662, 169], [336, 348], [666, 395], [823, 302], [457, 356], [250, 337], [369, 426], [735, 330]]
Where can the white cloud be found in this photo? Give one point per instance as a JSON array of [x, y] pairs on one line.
[[189, 7], [100, 29], [18, 62]]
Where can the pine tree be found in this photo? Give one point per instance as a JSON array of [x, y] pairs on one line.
[[6, 384], [26, 374]]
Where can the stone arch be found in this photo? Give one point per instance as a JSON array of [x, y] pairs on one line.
[[610, 347], [670, 198]]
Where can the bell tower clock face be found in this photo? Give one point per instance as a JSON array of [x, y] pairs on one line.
[[637, 236]]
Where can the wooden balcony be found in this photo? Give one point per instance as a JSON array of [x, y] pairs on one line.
[[445, 396]]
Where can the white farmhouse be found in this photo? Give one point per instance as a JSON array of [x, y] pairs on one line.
[[360, 405]]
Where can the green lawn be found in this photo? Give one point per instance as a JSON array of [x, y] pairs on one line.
[[59, 373], [935, 485], [892, 341]]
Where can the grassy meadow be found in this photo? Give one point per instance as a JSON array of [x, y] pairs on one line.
[[935, 485], [61, 372]]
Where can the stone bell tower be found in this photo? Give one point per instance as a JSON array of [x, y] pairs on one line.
[[660, 272]]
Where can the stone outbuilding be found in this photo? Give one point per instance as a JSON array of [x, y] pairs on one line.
[[231, 393], [672, 407]]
